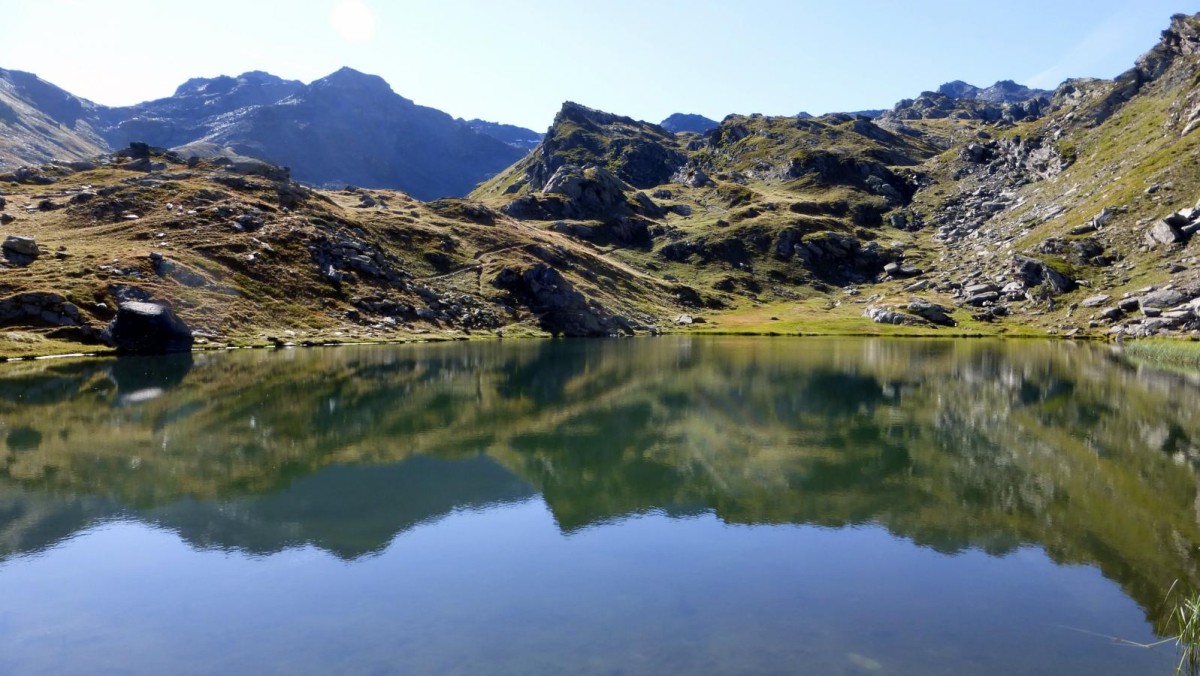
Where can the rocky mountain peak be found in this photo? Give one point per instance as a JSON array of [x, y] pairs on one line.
[[958, 90], [1181, 38], [1003, 91], [224, 93], [1183, 35], [578, 114], [688, 122], [349, 82], [640, 153]]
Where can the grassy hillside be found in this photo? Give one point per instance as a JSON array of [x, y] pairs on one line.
[[1025, 218]]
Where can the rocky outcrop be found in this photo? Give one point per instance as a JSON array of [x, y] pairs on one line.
[[20, 250], [1175, 228], [148, 328], [834, 256], [590, 193], [1034, 272], [1180, 39], [561, 310], [932, 312]]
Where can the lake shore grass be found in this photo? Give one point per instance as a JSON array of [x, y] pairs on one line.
[[1177, 352]]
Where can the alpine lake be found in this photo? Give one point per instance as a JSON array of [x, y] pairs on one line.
[[676, 505]]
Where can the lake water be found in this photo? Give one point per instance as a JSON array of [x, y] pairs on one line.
[[645, 506]]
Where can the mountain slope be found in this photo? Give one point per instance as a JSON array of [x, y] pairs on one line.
[[40, 122]]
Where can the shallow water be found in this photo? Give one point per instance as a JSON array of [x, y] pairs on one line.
[[739, 505]]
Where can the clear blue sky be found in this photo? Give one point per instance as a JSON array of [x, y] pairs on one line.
[[516, 61]]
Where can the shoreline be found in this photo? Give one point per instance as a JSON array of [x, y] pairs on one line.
[[103, 351]]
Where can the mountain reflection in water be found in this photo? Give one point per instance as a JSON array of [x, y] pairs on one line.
[[954, 445]]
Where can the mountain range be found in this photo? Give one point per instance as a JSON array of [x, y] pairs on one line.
[[345, 128], [964, 211]]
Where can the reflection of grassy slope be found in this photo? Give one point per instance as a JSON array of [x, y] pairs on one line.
[[953, 445]]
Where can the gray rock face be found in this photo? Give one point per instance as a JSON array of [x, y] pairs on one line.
[[148, 328]]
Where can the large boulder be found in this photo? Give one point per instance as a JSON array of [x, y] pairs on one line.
[[886, 315], [25, 246], [1164, 232], [148, 328], [934, 312]]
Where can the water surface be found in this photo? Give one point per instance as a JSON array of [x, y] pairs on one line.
[[631, 507]]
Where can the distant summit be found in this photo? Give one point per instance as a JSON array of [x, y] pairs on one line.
[[688, 122], [1004, 91], [351, 128], [1004, 101], [517, 137]]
